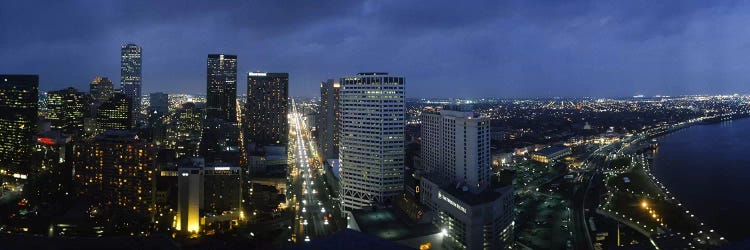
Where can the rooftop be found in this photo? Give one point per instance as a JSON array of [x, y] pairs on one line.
[[120, 135], [391, 224], [551, 150], [372, 73], [496, 189]]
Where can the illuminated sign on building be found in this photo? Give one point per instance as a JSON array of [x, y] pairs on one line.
[[46, 141], [453, 203]]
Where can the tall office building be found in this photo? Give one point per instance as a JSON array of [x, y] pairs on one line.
[[130, 76], [115, 113], [328, 120], [67, 109], [101, 89], [221, 87], [124, 166], [267, 103], [372, 139], [18, 122], [473, 208], [184, 134]]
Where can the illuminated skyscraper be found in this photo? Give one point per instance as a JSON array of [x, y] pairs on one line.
[[18, 122], [124, 164], [474, 210], [328, 120], [221, 87], [66, 110], [267, 103], [115, 113], [101, 89], [130, 76], [184, 134], [372, 139]]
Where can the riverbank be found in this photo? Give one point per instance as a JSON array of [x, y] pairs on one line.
[[705, 165], [637, 199]]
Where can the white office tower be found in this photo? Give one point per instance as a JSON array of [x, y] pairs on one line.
[[372, 139], [472, 208], [456, 146]]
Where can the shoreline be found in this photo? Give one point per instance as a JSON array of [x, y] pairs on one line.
[[653, 165], [638, 148]]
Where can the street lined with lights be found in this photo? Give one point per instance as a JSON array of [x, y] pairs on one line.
[[306, 195]]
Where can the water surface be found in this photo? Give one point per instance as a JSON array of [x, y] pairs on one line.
[[708, 168]]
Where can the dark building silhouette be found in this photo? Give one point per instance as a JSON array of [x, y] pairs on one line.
[[221, 87], [220, 142], [18, 122], [222, 185], [159, 103], [328, 119]]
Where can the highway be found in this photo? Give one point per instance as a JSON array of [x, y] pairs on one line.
[[310, 201]]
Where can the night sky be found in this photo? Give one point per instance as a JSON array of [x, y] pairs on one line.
[[443, 48]]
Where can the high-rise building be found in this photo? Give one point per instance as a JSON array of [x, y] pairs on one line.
[[190, 194], [328, 120], [473, 209], [184, 134], [115, 113], [67, 109], [267, 103], [124, 166], [372, 139], [18, 122], [221, 87], [101, 89], [454, 146], [130, 76]]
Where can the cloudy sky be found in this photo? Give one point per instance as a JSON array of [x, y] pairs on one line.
[[443, 48]]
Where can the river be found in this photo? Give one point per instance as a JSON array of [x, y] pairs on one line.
[[707, 167]]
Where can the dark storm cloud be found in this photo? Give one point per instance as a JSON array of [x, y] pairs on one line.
[[444, 48]]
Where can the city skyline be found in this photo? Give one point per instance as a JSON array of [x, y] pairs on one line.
[[563, 49], [374, 125]]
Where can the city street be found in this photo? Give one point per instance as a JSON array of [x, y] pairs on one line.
[[310, 200]]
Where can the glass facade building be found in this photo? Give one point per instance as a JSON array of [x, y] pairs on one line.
[[221, 87], [130, 75], [67, 109]]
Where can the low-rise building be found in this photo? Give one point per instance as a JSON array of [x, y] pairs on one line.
[[550, 154]]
